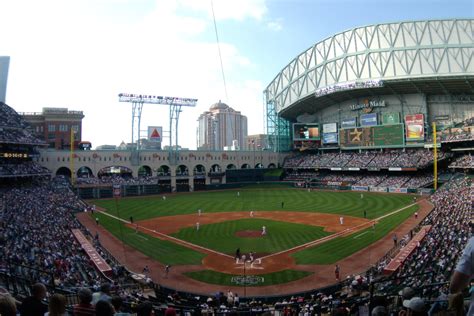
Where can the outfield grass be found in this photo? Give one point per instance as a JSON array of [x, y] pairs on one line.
[[221, 237], [280, 235], [281, 277], [339, 248], [347, 203], [163, 251]]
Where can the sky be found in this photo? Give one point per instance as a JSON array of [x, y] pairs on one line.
[[80, 54]]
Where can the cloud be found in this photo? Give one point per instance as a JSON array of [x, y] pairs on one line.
[[77, 56], [275, 25], [238, 10]]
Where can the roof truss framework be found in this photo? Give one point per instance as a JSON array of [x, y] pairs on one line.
[[395, 51]]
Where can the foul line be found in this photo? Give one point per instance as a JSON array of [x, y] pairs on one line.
[[341, 233], [306, 245], [355, 237], [176, 240]]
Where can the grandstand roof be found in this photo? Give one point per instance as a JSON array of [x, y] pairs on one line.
[[433, 56]]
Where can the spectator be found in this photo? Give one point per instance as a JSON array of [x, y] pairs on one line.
[[7, 306], [33, 305], [57, 305], [145, 309], [104, 308], [102, 295], [464, 272], [117, 303], [84, 308]]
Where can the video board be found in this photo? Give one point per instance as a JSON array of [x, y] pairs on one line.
[[306, 131], [373, 136]]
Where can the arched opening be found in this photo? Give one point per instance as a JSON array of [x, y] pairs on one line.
[[231, 167], [259, 166], [271, 166], [199, 181], [111, 172], [216, 169], [64, 171], [245, 166], [84, 172], [199, 170], [164, 171], [182, 171], [164, 178], [144, 171]]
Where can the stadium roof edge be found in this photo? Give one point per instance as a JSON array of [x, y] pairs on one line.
[[359, 27]]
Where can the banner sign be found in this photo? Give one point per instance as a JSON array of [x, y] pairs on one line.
[[97, 259], [415, 127], [154, 133], [330, 128], [397, 190], [368, 119], [390, 118], [117, 190], [394, 169], [359, 188], [349, 123], [378, 189], [406, 251], [330, 138]]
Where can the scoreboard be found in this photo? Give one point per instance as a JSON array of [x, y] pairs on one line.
[[372, 136]]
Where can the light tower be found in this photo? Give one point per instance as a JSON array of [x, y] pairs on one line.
[[175, 104]]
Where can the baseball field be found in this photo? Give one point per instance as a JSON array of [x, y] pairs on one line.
[[303, 231]]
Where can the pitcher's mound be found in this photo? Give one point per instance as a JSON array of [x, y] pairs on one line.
[[249, 233]]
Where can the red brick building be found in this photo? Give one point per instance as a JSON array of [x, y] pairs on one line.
[[54, 125]]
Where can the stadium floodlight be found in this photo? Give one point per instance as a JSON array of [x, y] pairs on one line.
[[137, 100]]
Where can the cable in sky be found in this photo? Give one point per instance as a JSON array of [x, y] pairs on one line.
[[219, 49]]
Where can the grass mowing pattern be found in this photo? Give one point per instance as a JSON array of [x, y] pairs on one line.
[[347, 203], [280, 235], [274, 278], [334, 250], [163, 251]]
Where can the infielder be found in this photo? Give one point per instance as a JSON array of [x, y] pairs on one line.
[[341, 220]]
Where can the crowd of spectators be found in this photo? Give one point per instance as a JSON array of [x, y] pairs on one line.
[[434, 259], [36, 237], [44, 211], [111, 180], [360, 179], [463, 162], [403, 159], [14, 129], [28, 168]]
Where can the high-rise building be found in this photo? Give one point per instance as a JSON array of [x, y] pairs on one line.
[[220, 127], [54, 125], [4, 63]]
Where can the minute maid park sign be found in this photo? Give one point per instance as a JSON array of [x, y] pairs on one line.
[[367, 105]]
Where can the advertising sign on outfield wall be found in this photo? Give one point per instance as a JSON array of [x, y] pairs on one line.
[[415, 127], [368, 119], [349, 123], [330, 128], [397, 190], [359, 188], [378, 189], [330, 138], [390, 118]]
